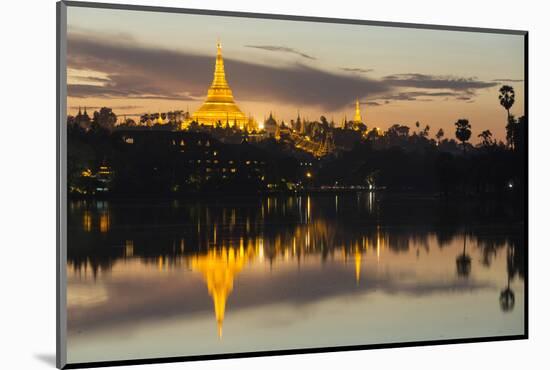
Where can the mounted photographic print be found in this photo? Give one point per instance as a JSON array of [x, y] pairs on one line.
[[234, 184]]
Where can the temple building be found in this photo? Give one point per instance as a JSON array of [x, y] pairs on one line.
[[357, 123], [270, 125], [83, 120], [357, 117], [327, 147], [219, 107]]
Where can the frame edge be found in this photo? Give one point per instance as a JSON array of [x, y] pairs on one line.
[[61, 193]]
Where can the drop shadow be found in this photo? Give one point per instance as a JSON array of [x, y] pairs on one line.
[[47, 358]]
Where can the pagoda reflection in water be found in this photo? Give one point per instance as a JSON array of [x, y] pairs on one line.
[[219, 269]]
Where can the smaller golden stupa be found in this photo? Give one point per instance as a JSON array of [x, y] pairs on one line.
[[357, 117]]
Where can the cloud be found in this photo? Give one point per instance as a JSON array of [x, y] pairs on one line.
[[357, 70], [137, 71], [507, 80], [113, 107], [92, 79], [282, 49], [112, 91], [423, 81], [426, 95]]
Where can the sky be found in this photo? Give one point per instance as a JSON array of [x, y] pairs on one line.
[[138, 62]]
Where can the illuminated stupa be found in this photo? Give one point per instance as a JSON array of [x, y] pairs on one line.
[[357, 117], [219, 106]]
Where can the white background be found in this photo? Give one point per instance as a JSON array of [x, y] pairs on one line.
[[27, 185]]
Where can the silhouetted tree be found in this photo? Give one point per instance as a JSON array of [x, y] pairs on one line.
[[520, 134], [439, 135], [507, 97], [463, 132], [515, 134], [507, 296], [486, 138], [105, 118], [425, 132], [463, 262]]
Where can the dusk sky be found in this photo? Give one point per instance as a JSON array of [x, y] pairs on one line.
[[139, 62]]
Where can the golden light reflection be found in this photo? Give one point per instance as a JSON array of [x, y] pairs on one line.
[[357, 265], [129, 248], [104, 222], [219, 269], [308, 217], [87, 221], [378, 245], [160, 263]]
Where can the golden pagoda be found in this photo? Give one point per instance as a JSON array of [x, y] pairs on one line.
[[160, 121], [357, 117], [219, 105]]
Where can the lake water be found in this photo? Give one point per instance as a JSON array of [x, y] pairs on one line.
[[206, 276]]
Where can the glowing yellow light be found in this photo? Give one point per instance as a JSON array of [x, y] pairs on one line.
[[220, 106], [87, 221], [357, 117], [86, 173], [378, 246], [160, 263], [219, 270], [104, 222], [129, 248], [357, 265]]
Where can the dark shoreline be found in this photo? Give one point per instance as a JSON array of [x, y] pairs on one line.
[[394, 194]]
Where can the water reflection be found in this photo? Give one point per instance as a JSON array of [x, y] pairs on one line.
[[219, 269], [463, 262], [252, 253]]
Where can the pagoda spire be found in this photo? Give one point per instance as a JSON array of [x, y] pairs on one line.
[[219, 100], [357, 117], [219, 70]]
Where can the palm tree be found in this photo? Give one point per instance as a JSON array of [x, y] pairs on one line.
[[487, 138], [463, 132], [463, 262], [426, 131], [507, 296], [507, 97]]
